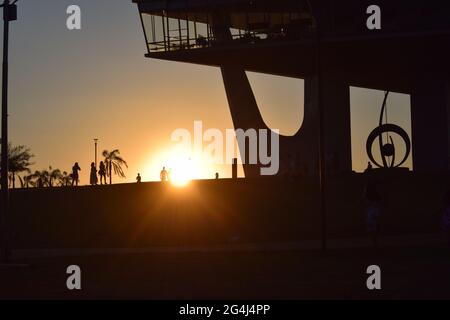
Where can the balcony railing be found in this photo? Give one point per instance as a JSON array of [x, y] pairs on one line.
[[173, 32]]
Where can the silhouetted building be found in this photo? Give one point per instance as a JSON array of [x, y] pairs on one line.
[[280, 37]]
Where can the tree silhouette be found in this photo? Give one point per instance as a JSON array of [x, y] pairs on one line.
[[27, 181], [41, 178], [18, 161], [45, 178], [114, 162], [53, 174], [65, 179]]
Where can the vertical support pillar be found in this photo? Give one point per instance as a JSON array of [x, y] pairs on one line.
[[337, 129], [430, 118]]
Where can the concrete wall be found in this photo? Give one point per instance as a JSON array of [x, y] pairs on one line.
[[216, 212]]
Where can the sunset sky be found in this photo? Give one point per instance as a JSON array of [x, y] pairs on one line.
[[69, 87]]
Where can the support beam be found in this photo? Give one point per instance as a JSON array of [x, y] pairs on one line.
[[298, 154], [244, 110], [430, 118], [336, 102]]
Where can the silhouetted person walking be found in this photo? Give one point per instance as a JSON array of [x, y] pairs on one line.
[[164, 175], [138, 178], [102, 172], [373, 212], [75, 176], [93, 177]]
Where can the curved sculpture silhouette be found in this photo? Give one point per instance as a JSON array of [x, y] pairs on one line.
[[387, 150]]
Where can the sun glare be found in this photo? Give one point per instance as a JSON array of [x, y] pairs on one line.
[[182, 166], [181, 172]]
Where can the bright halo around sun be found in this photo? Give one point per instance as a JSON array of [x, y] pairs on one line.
[[181, 171], [182, 166]]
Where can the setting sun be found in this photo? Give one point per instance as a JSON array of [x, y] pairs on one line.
[[181, 165], [181, 172]]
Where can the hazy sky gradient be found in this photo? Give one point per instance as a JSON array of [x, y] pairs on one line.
[[69, 87]]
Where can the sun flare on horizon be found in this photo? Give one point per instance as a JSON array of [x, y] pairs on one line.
[[181, 172], [182, 166]]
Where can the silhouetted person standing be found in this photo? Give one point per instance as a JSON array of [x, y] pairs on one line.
[[164, 175], [217, 176], [369, 167], [102, 172], [93, 177], [138, 178], [75, 176]]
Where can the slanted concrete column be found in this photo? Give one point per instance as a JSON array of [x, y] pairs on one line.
[[430, 118], [297, 153], [302, 149], [244, 111], [241, 100]]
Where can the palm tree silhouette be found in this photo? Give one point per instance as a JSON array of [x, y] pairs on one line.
[[114, 162], [65, 179], [42, 178], [53, 174], [27, 181], [18, 161], [36, 178]]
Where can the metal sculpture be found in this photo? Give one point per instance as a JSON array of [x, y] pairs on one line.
[[387, 149]]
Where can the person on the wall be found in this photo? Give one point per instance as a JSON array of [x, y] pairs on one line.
[[93, 176], [164, 176], [75, 176]]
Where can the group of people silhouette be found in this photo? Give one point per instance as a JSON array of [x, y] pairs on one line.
[[93, 176], [93, 180], [101, 172]]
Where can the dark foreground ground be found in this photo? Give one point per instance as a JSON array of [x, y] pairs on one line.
[[417, 272], [214, 212]]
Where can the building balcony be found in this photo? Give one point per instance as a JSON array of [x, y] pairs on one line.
[[199, 24]]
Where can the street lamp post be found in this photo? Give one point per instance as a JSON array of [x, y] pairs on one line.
[[9, 14], [95, 141]]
